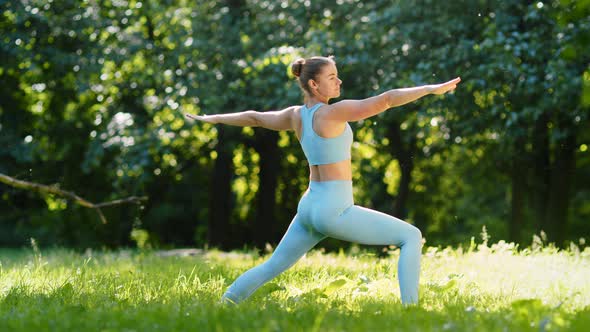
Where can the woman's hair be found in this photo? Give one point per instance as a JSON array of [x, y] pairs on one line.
[[308, 69]]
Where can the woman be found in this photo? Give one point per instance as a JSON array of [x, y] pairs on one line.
[[327, 207]]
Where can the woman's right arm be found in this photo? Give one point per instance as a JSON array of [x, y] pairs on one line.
[[355, 110]]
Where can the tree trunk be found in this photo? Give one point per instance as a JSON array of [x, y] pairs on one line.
[[406, 163], [404, 155], [220, 206], [541, 172], [265, 223], [562, 176], [518, 192]]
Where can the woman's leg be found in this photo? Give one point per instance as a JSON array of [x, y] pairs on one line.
[[295, 243], [366, 226]]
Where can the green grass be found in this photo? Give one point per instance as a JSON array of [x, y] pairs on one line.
[[486, 289]]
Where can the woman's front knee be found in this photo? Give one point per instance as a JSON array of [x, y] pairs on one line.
[[415, 235]]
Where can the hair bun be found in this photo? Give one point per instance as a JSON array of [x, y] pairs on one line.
[[297, 66]]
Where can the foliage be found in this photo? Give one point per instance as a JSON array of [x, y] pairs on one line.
[[93, 95]]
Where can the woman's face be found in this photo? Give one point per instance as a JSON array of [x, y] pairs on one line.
[[327, 82]]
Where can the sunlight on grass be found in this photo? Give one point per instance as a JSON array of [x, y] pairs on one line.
[[481, 288]]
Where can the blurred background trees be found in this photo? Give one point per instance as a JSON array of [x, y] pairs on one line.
[[92, 95]]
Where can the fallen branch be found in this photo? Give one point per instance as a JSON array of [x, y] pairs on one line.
[[54, 189]]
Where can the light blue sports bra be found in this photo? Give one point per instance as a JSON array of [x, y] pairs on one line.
[[320, 150]]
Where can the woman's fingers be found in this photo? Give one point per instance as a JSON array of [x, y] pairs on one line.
[[192, 116], [454, 81], [204, 118], [452, 84], [448, 86]]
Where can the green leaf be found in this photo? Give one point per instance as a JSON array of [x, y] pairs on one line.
[[270, 288], [526, 305], [334, 286]]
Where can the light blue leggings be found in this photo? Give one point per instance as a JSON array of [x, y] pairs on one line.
[[327, 210]]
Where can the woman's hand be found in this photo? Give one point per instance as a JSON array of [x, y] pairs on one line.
[[204, 118], [439, 89]]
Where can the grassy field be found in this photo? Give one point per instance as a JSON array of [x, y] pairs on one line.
[[484, 288]]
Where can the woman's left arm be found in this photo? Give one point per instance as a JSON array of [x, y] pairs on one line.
[[275, 120]]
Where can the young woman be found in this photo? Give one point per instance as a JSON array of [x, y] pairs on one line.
[[327, 207]]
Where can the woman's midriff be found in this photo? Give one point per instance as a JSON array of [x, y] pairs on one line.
[[341, 170]]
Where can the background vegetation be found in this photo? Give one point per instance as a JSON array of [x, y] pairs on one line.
[[92, 94]]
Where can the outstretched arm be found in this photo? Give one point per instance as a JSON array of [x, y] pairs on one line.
[[242, 119], [355, 110], [275, 120]]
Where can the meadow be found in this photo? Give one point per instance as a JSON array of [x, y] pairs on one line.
[[495, 287]]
